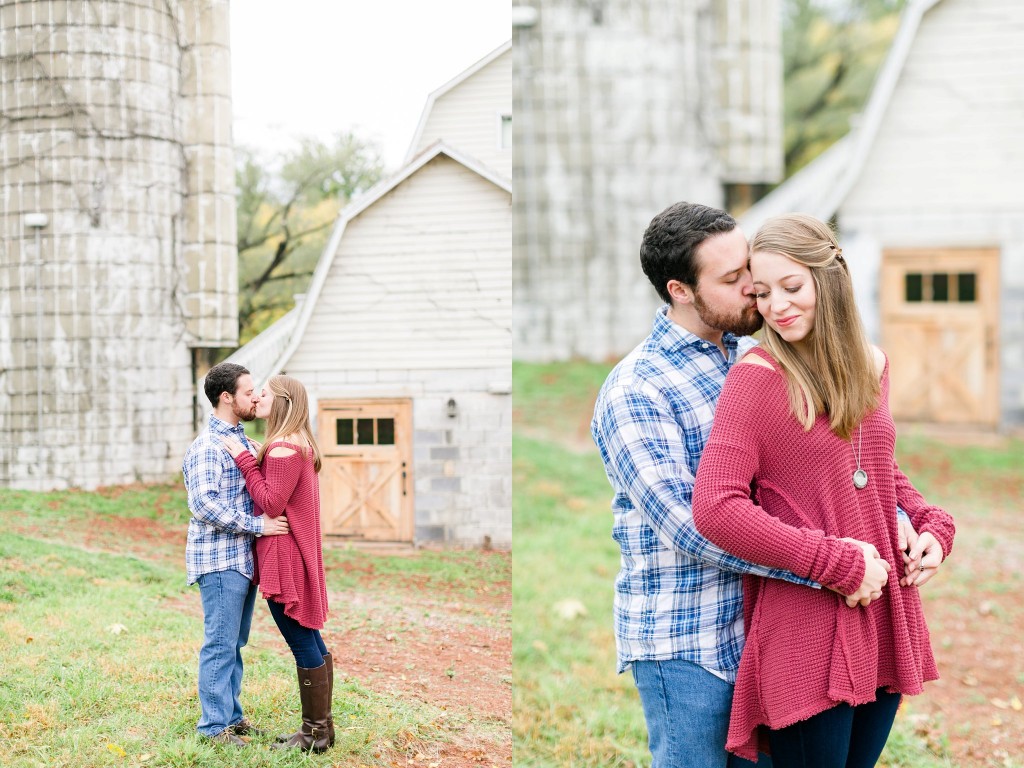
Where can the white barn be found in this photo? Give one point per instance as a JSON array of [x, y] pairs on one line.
[[404, 338], [928, 198]]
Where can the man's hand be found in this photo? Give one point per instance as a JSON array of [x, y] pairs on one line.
[[275, 526], [876, 575], [927, 554]]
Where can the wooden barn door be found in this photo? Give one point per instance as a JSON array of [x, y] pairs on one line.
[[366, 478], [940, 311]]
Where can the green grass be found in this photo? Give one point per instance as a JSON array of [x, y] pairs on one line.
[[570, 708], [98, 659]]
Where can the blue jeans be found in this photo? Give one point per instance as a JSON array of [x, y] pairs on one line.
[[840, 737], [687, 713], [306, 644], [228, 599]]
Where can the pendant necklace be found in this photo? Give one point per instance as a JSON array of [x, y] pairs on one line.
[[860, 477]]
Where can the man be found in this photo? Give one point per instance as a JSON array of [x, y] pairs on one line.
[[219, 552], [678, 598]]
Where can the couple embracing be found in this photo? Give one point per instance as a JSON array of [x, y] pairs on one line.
[[256, 525], [771, 548]]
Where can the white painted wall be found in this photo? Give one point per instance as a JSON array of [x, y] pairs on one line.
[[467, 117]]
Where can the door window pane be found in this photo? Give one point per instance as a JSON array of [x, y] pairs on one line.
[[344, 428], [364, 432], [940, 287], [967, 282], [915, 287], [385, 431]]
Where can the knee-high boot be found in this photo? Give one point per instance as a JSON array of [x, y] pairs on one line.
[[314, 695], [329, 661]]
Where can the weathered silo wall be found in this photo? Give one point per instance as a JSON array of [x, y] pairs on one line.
[[622, 108], [115, 137]]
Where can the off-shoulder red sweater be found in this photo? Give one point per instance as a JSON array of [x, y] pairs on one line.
[[289, 568], [805, 649]]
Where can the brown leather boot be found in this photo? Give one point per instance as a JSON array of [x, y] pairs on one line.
[[314, 695], [329, 661]]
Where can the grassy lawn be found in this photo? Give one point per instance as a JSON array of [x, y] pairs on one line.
[[100, 641], [571, 709]]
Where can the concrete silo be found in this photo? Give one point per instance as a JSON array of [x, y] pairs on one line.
[[117, 234], [622, 108]]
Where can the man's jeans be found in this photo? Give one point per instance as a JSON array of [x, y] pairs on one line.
[[687, 713], [228, 599]]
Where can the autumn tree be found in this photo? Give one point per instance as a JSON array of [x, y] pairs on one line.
[[286, 208], [832, 50]]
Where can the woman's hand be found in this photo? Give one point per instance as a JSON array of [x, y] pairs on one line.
[[235, 448], [928, 553], [876, 575]]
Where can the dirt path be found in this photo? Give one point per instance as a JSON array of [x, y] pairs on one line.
[[450, 649]]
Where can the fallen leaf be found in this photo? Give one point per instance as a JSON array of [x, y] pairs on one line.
[[117, 750], [540, 645], [1000, 704], [117, 629], [1015, 704], [997, 721], [570, 609], [29, 640], [145, 758], [970, 680]]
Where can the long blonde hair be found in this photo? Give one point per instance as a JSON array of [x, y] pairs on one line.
[[838, 376], [289, 415]]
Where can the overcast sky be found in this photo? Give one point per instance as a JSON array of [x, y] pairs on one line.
[[316, 67]]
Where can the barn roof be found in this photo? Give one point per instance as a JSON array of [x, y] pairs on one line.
[[271, 350], [821, 187], [435, 95]]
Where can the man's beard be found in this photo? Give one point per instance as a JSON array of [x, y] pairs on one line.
[[247, 415], [743, 323]]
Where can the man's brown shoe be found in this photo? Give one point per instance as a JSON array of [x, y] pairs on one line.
[[245, 728], [227, 737]]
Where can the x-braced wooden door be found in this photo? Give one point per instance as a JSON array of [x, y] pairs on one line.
[[940, 314], [366, 484]]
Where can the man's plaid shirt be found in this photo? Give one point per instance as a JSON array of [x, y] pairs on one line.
[[677, 595], [221, 529]]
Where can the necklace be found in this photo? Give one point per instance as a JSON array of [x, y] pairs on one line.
[[860, 477]]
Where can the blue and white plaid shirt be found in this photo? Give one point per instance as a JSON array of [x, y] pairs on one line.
[[222, 526], [677, 595]]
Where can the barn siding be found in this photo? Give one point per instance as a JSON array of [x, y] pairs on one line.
[[466, 116]]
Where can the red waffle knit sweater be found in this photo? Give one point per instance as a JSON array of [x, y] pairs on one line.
[[805, 649], [289, 568]]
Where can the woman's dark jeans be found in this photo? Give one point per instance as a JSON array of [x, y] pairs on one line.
[[306, 644]]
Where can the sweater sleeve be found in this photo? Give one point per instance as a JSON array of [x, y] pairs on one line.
[[272, 485], [724, 512], [647, 452], [924, 516]]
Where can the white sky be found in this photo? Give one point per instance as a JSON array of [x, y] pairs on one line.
[[316, 67]]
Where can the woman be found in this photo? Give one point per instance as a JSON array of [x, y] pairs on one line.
[[804, 420], [282, 479]]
